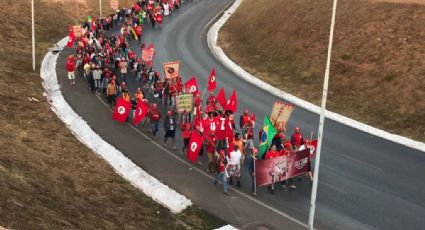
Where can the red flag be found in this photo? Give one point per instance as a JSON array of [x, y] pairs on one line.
[[232, 104], [313, 147], [136, 6], [192, 85], [221, 98], [121, 111], [142, 109], [195, 145], [71, 38], [212, 84]]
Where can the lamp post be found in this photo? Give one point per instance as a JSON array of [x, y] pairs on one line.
[[100, 8], [322, 121], [33, 35]]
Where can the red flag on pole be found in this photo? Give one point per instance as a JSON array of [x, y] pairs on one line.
[[221, 98], [192, 85], [142, 109], [212, 84], [71, 38], [232, 104], [195, 145], [121, 111]]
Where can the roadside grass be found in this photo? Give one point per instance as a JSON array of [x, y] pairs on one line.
[[48, 179], [377, 70]]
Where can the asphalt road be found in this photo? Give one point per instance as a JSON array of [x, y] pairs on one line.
[[365, 182]]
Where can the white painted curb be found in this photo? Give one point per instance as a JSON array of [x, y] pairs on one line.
[[222, 57], [153, 188], [227, 227]]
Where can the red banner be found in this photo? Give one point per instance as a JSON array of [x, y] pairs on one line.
[[232, 104], [121, 111], [281, 168], [221, 98], [142, 110]]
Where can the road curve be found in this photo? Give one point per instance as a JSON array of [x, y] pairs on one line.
[[365, 182]]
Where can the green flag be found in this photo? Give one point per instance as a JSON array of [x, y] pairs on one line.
[[266, 137], [89, 19]]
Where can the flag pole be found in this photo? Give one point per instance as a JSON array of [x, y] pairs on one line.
[[255, 181], [33, 35], [100, 8], [321, 122]]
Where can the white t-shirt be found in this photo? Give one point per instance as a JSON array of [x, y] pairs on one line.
[[235, 157]]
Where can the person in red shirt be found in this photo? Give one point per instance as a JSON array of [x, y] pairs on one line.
[[210, 143], [297, 139], [155, 117], [210, 124], [221, 132], [70, 67], [272, 153], [186, 131], [221, 171]]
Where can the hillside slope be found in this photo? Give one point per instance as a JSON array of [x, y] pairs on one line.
[[48, 179], [377, 72]]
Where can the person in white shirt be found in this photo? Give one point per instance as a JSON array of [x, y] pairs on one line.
[[235, 161]]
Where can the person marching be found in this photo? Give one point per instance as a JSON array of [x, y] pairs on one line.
[[235, 161], [70, 67], [186, 132], [221, 171], [170, 128], [297, 139], [210, 143], [155, 117], [272, 153]]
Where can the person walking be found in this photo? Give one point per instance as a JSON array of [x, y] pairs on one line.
[[155, 117], [250, 165], [235, 161], [70, 67], [221, 172], [170, 129], [123, 69], [97, 75], [186, 132], [210, 143], [111, 92]]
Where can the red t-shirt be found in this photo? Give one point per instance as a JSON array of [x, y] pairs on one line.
[[271, 154], [221, 129], [70, 65], [297, 139], [210, 125], [211, 144], [155, 116], [186, 130]]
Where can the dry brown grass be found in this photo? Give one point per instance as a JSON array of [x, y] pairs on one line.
[[48, 179], [377, 72]]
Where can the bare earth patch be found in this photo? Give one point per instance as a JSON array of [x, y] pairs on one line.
[[377, 72], [48, 179]]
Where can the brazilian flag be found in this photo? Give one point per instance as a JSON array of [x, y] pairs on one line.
[[266, 137]]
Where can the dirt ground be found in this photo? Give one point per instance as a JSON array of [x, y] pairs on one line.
[[377, 69], [48, 179]]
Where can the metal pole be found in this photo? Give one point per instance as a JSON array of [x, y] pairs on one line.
[[33, 35], [322, 121], [100, 8]]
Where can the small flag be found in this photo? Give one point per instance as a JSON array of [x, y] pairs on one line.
[[71, 38], [221, 98], [232, 104], [192, 85], [212, 84]]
